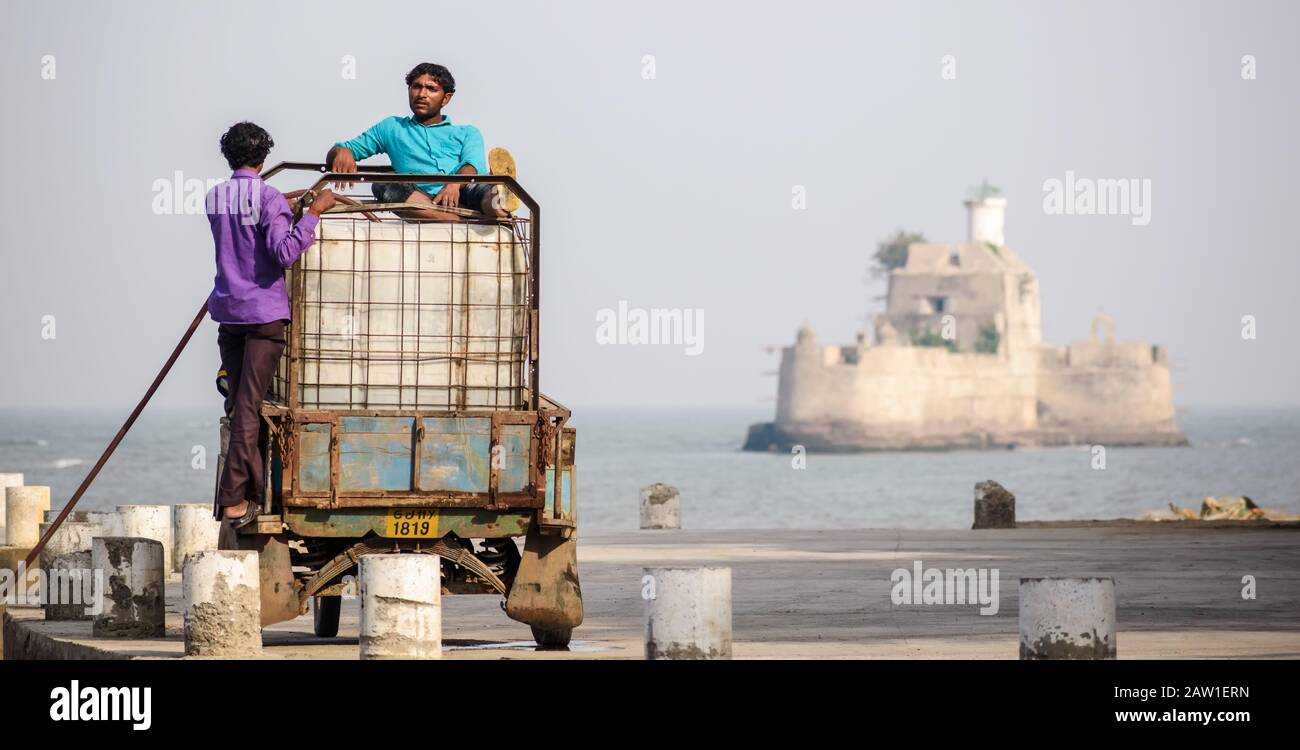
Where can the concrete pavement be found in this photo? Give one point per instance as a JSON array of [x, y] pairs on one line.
[[826, 595]]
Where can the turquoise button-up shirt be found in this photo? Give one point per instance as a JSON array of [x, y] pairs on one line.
[[421, 149]]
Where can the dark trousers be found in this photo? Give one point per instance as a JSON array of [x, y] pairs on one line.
[[249, 355]]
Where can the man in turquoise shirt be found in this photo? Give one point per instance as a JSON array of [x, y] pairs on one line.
[[428, 142]]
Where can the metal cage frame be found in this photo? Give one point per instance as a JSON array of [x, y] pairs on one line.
[[550, 444], [385, 175]]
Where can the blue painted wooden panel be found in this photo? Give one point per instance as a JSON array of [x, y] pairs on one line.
[[514, 457], [314, 458], [456, 454], [375, 453], [549, 489], [558, 489]]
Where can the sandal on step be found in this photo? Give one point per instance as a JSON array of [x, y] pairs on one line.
[[250, 515]]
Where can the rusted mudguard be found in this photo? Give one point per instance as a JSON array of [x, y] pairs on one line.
[[545, 592]]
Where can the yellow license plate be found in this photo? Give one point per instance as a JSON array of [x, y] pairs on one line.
[[412, 523]]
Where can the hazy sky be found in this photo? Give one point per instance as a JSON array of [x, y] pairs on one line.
[[675, 191]]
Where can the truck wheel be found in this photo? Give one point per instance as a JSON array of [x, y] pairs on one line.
[[325, 615], [552, 638]]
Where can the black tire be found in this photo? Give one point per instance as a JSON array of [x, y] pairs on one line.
[[325, 615], [552, 638]]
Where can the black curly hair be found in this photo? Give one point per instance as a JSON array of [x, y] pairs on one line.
[[439, 73], [246, 145]]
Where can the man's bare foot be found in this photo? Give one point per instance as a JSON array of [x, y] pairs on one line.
[[502, 162], [430, 213]]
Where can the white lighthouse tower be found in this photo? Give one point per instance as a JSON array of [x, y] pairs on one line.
[[986, 215]]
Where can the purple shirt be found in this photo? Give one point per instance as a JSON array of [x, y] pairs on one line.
[[255, 239]]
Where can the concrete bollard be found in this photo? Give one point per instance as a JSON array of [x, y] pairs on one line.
[[66, 564], [133, 590], [401, 607], [661, 507], [76, 516], [111, 522], [149, 522], [10, 560], [24, 509], [995, 506], [688, 613], [71, 536], [104, 519], [10, 557], [7, 479], [70, 587], [1067, 618], [195, 530], [223, 603]]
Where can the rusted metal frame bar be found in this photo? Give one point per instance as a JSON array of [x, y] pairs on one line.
[[327, 415], [289, 464], [421, 499], [461, 357], [370, 295], [288, 451], [558, 478], [496, 367], [494, 471], [415, 498], [535, 242], [451, 319], [320, 321], [387, 176], [417, 449], [268, 455], [121, 433], [311, 167], [336, 471], [428, 356], [419, 340], [519, 313], [401, 319], [553, 421], [551, 406]]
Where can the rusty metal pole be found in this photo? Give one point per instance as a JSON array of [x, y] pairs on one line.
[[126, 427]]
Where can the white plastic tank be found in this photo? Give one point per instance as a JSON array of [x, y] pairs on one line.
[[410, 314]]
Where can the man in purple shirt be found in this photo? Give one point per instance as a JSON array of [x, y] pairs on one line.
[[255, 240]]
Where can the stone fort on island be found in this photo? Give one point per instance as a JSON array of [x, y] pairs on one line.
[[958, 361]]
